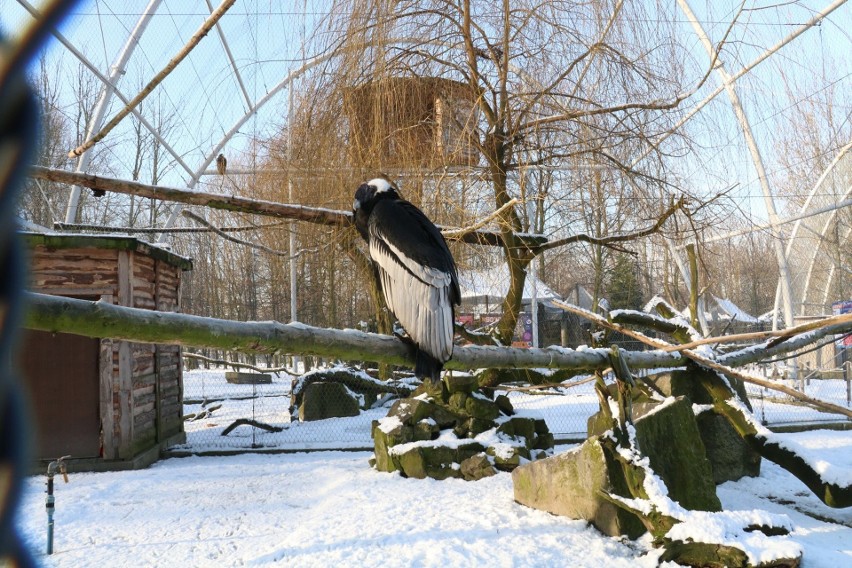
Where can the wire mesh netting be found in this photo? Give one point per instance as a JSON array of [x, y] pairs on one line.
[[222, 416]]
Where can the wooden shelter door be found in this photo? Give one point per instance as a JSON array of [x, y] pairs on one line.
[[61, 374]]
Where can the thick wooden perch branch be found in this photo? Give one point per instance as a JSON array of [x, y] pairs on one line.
[[103, 320], [212, 200], [316, 215]]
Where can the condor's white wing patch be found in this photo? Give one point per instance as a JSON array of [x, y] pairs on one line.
[[418, 295]]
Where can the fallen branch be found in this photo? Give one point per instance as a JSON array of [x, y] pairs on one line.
[[249, 422], [719, 367], [234, 364]]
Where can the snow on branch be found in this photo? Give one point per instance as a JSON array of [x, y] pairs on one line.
[[105, 320]]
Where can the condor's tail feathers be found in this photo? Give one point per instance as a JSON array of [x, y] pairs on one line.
[[427, 367]]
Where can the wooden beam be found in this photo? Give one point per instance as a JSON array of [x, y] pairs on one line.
[[98, 319], [316, 215]]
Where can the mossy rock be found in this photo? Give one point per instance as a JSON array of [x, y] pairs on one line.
[[422, 419], [436, 391], [384, 439], [323, 400], [730, 456], [508, 460], [543, 441], [457, 400], [669, 437], [520, 428], [426, 429], [413, 410], [504, 404], [476, 426], [481, 408], [434, 461], [571, 483], [461, 383], [682, 382], [477, 467]]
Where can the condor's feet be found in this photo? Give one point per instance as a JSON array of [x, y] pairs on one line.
[[434, 387]]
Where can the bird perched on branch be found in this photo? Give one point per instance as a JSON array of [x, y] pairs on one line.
[[221, 164], [416, 270]]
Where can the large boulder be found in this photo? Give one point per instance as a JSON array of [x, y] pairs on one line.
[[323, 400], [571, 483], [668, 435], [731, 456]]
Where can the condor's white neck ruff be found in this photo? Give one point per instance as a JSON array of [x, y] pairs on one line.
[[382, 185]]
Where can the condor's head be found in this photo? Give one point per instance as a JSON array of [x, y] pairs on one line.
[[366, 197]]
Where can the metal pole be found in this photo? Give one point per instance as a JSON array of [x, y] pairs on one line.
[[769, 202], [50, 500], [534, 302], [116, 71], [50, 504], [294, 315]]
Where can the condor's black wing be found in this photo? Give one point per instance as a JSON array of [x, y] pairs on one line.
[[418, 274]]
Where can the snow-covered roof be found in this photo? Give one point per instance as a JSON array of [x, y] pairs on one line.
[[480, 286], [733, 311]]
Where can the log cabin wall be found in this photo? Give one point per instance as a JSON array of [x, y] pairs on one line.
[[141, 385]]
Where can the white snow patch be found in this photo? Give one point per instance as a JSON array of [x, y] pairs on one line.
[[389, 423], [727, 528], [331, 508]]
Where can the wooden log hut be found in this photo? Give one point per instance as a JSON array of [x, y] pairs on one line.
[[404, 122], [109, 404]]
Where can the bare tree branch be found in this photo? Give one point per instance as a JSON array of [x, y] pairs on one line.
[[224, 235], [612, 240]]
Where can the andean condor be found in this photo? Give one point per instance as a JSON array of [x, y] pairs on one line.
[[416, 270]]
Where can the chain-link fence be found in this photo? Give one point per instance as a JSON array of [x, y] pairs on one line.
[[777, 409], [224, 416]]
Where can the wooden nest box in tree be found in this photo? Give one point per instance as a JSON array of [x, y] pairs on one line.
[[404, 122]]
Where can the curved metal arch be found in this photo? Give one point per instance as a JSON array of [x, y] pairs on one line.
[[745, 125], [812, 268], [825, 299], [814, 252]]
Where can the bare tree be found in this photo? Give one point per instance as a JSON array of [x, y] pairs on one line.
[[562, 86]]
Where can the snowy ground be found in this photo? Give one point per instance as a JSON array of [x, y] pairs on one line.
[[332, 509]]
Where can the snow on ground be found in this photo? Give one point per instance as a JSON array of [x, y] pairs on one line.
[[332, 509], [318, 509]]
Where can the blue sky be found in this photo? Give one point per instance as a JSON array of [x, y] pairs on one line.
[[266, 37]]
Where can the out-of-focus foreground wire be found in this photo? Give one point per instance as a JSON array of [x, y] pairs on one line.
[[18, 138]]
